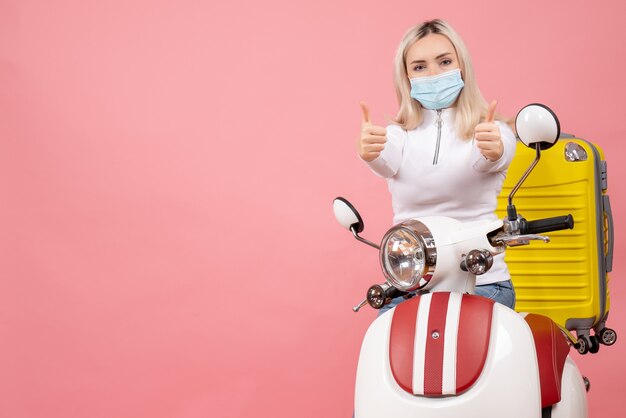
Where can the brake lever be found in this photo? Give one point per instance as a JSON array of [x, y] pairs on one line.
[[360, 305], [515, 240]]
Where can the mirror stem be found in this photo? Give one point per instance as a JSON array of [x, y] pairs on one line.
[[511, 211], [363, 240]]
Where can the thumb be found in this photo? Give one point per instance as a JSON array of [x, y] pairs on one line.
[[366, 112], [491, 111]]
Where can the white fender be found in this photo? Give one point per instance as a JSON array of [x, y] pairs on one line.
[[508, 386]]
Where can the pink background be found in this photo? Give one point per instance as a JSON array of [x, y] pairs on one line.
[[166, 175]]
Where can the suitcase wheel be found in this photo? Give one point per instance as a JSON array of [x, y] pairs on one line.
[[594, 344], [608, 336], [583, 345]]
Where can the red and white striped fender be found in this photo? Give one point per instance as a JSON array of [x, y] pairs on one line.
[[439, 342]]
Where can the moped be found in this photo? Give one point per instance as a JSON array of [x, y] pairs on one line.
[[445, 352]]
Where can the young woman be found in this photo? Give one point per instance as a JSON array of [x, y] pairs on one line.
[[445, 154]]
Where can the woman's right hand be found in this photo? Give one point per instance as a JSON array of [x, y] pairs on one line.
[[373, 138]]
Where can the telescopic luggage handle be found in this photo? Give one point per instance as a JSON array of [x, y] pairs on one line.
[[608, 259]]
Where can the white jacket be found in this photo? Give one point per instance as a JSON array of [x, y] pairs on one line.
[[455, 181]]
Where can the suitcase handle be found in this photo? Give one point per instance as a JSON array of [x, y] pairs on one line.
[[547, 224], [608, 259]]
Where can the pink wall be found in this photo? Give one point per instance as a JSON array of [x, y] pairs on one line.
[[167, 170]]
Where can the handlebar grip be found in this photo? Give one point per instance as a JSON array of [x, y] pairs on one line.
[[557, 223]]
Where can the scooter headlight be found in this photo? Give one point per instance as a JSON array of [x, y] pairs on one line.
[[407, 256]]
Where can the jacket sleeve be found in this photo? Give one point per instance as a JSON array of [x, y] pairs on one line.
[[508, 140], [388, 162]]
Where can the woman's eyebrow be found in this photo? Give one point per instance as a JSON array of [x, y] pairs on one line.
[[437, 57]]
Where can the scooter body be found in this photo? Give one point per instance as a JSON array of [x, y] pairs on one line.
[[446, 353], [507, 385]]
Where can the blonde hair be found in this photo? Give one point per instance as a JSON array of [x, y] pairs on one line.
[[470, 105]]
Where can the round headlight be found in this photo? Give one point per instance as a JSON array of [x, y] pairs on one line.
[[404, 256]]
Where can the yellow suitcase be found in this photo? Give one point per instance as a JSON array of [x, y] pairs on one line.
[[566, 279]]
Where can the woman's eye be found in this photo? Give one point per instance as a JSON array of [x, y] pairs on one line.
[[419, 67], [446, 62]]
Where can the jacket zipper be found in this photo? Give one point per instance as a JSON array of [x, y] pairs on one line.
[[439, 124]]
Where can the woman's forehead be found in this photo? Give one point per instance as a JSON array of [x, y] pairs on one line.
[[430, 47]]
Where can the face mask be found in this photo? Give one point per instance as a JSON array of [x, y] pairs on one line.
[[437, 91]]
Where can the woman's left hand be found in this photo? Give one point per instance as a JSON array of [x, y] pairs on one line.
[[487, 135]]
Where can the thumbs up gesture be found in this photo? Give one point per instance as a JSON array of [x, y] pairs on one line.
[[373, 138], [488, 137]]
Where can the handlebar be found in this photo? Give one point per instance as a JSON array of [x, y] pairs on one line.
[[539, 226], [392, 293]]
